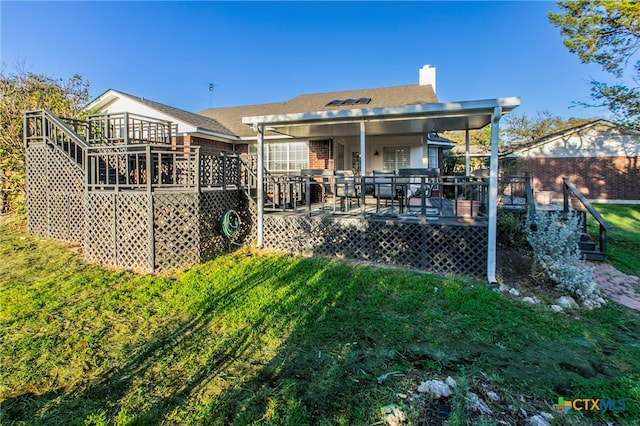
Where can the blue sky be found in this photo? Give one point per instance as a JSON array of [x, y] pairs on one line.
[[267, 52]]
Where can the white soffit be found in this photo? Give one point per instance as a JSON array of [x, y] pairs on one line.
[[408, 119]]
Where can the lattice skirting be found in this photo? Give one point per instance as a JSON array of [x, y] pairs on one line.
[[55, 195], [162, 231], [460, 250]]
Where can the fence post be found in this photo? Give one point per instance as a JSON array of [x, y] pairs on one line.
[[197, 169], [565, 195]]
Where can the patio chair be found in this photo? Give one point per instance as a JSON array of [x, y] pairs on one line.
[[417, 191], [346, 189], [386, 187], [311, 177]]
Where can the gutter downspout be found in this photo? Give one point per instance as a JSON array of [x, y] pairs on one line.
[[492, 208], [259, 128]]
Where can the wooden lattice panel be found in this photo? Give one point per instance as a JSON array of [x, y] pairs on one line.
[[55, 194], [37, 196], [437, 248], [99, 241], [176, 229], [64, 174], [134, 239], [185, 172], [213, 204]]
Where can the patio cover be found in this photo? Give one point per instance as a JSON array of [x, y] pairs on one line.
[[398, 120]]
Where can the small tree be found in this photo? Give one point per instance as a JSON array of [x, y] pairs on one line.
[[24, 91]]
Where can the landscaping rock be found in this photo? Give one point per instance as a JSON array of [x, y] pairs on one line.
[[556, 308], [452, 383], [437, 387], [493, 396], [537, 421], [591, 304], [531, 300], [547, 416], [566, 302], [475, 403], [514, 292]]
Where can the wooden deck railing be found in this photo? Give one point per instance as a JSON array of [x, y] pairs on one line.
[[573, 196]]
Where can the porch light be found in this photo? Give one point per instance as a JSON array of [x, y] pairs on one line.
[[375, 154]]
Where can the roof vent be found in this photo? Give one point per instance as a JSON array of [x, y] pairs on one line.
[[349, 101]]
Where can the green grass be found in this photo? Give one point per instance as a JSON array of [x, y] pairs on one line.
[[623, 239], [253, 338]]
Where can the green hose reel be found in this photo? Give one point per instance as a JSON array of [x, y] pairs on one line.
[[231, 224]]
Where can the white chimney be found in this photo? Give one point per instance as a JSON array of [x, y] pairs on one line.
[[428, 76]]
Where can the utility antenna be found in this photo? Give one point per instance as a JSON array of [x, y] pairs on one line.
[[211, 86]]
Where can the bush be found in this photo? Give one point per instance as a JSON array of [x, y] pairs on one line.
[[511, 228], [556, 252]]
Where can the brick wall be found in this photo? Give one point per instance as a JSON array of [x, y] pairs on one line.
[[612, 178], [320, 155], [193, 140]]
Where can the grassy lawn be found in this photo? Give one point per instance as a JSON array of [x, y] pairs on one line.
[[623, 240], [254, 338]]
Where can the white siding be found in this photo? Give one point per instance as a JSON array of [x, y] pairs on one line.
[[123, 104], [598, 141]]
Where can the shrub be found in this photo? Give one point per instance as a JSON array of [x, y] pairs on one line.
[[510, 227], [556, 252]]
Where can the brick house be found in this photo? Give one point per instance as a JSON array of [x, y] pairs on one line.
[[223, 128], [599, 157]]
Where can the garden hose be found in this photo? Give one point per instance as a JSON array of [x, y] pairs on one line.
[[231, 225]]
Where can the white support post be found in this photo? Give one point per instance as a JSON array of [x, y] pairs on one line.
[[492, 208], [260, 227], [363, 155], [467, 156]]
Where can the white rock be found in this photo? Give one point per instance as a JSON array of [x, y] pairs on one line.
[[475, 403], [566, 302], [452, 383], [556, 308], [546, 415], [436, 387], [493, 396], [503, 288], [590, 304], [514, 292], [537, 421], [529, 300]]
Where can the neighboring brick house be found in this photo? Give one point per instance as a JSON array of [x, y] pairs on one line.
[[599, 157]]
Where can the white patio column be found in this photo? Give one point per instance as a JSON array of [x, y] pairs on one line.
[[260, 226], [492, 208], [467, 157], [363, 162]]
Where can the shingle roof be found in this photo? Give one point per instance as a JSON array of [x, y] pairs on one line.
[[231, 117], [197, 120]]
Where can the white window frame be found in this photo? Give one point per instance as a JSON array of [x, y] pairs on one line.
[[289, 151], [397, 156], [434, 154]]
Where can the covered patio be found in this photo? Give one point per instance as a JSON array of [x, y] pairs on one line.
[[421, 233]]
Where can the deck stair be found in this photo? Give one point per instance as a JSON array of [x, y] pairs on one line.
[[574, 202]]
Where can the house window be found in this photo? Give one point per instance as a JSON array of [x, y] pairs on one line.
[[433, 157], [397, 157], [284, 157]]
